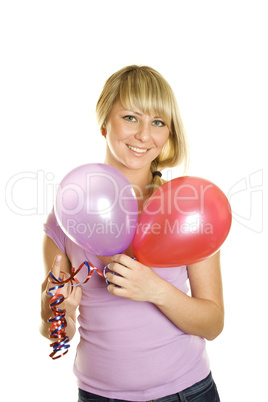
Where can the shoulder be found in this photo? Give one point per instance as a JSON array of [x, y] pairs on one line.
[[53, 230]]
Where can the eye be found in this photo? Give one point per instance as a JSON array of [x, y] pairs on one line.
[[130, 118], [158, 123]]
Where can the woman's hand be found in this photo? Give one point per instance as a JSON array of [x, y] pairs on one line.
[[57, 262], [130, 279], [72, 295], [201, 314]]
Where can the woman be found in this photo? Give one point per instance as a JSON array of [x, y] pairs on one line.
[[144, 338]]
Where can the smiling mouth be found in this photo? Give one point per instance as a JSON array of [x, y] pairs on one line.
[[137, 150]]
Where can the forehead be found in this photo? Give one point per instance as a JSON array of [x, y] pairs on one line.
[[148, 98], [119, 107]]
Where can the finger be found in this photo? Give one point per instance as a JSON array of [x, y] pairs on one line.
[[117, 291], [124, 260], [72, 302], [115, 279], [117, 268]]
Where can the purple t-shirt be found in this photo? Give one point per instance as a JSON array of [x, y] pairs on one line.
[[130, 350]]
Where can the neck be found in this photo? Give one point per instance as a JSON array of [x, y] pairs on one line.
[[141, 179]]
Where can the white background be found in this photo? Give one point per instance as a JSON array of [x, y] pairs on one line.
[[55, 57]]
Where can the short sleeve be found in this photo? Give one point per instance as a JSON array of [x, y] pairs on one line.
[[54, 231]]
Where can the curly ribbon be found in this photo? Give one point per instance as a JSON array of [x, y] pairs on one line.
[[58, 321]]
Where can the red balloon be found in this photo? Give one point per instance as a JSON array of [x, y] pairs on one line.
[[185, 221]]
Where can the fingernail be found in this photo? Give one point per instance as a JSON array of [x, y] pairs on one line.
[[58, 258]]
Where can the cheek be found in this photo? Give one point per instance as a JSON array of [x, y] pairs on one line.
[[118, 130], [162, 140]]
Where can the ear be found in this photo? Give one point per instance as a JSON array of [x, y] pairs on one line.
[[103, 132]]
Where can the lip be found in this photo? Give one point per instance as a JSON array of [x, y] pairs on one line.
[[132, 149]]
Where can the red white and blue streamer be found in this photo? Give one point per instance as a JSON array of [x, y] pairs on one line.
[[58, 321]]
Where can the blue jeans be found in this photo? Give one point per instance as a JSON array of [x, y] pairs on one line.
[[202, 391]]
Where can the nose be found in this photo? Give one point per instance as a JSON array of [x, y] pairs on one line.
[[143, 132]]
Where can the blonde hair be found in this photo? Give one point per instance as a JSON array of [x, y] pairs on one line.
[[144, 88]]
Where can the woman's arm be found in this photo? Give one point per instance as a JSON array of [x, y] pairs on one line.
[[54, 264], [201, 314]]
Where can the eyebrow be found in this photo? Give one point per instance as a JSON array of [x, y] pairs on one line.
[[139, 114]]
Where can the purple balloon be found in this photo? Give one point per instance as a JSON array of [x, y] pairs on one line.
[[97, 209]]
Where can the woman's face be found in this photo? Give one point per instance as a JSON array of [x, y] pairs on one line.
[[134, 139]]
